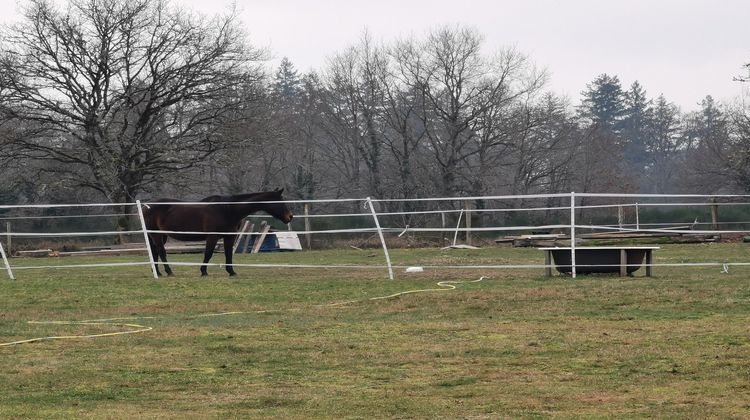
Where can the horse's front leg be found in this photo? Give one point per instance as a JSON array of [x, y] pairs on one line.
[[229, 252], [210, 245]]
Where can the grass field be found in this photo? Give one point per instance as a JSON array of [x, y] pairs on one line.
[[513, 345]]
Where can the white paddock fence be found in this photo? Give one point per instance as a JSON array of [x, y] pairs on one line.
[[571, 214]]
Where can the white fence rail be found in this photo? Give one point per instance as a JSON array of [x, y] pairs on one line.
[[574, 211]]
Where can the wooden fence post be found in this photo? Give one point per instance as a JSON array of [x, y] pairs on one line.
[[714, 215], [308, 237]]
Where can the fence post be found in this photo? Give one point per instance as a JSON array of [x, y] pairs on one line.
[[382, 239], [573, 234], [5, 261], [145, 236], [637, 217], [714, 215], [442, 226], [458, 226], [308, 237], [8, 242], [468, 222]]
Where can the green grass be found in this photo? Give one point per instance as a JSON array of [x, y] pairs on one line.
[[514, 345]]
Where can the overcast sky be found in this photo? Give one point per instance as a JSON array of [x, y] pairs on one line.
[[685, 49]]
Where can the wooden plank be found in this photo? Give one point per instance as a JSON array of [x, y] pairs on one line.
[[261, 238], [603, 247], [246, 239], [242, 234], [36, 253]]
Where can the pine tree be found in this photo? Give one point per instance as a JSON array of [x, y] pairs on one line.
[[603, 103], [289, 96], [636, 123], [287, 84], [601, 166], [664, 144]]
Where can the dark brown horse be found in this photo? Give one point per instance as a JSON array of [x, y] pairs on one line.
[[218, 220]]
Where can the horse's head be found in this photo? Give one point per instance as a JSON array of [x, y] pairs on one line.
[[279, 210]]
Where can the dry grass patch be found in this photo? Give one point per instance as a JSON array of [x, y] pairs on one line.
[[514, 345]]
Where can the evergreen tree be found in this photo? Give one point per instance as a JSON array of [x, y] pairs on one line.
[[603, 103], [636, 123], [290, 97], [600, 166], [663, 145], [286, 84]]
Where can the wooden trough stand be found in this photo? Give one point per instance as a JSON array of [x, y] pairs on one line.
[[599, 259]]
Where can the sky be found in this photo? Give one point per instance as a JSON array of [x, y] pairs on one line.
[[684, 49]]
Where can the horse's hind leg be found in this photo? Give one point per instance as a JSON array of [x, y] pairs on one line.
[[163, 255], [210, 245], [229, 252], [154, 249]]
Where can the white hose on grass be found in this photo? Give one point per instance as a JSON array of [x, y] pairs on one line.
[[137, 329], [445, 285]]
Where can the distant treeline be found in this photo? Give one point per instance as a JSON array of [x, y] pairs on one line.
[[142, 99]]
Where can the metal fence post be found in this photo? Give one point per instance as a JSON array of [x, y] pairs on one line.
[[637, 217], [5, 261], [10, 238], [573, 234], [145, 236], [468, 221], [458, 226], [382, 239]]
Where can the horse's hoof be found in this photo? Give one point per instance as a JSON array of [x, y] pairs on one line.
[[204, 274], [170, 274], [232, 274]]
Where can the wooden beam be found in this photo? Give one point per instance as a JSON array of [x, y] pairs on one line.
[[259, 241]]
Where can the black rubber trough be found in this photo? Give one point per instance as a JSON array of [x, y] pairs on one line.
[[600, 259]]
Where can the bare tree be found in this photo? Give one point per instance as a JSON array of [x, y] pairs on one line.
[[123, 94], [404, 131], [709, 149], [463, 93], [352, 85], [544, 149], [740, 160], [719, 154]]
